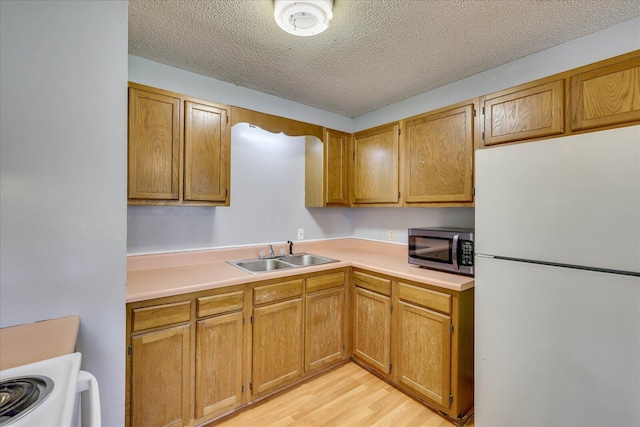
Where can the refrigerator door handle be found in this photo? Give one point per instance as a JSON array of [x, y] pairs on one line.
[[454, 252]]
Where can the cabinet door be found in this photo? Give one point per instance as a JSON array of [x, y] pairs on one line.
[[606, 96], [154, 145], [372, 329], [277, 344], [336, 168], [218, 364], [160, 377], [375, 166], [424, 351], [439, 157], [206, 153], [324, 322], [524, 113]]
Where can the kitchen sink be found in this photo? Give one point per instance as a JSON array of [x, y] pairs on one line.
[[264, 265], [303, 260]]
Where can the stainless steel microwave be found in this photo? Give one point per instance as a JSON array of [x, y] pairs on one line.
[[445, 249]]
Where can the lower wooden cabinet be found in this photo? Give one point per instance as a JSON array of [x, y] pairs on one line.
[[219, 345], [160, 368], [372, 320], [424, 353], [324, 320], [194, 358], [277, 345], [372, 326], [417, 336]]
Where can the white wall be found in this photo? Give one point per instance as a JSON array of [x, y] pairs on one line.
[[267, 203], [63, 176], [152, 73]]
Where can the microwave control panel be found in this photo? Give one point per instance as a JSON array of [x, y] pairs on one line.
[[466, 257]]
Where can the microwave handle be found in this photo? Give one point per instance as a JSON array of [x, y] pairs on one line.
[[454, 252]]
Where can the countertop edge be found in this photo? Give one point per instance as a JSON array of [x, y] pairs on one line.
[[373, 257]]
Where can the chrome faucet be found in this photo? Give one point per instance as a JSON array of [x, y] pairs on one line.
[[290, 247], [271, 253]]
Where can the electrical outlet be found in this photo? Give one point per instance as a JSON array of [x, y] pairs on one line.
[[300, 233], [392, 235]]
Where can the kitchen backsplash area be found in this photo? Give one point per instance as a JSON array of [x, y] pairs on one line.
[[267, 205]]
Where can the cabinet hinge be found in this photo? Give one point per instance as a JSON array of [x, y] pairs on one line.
[[251, 385], [390, 366], [251, 319], [483, 136], [390, 307], [398, 194], [243, 321], [227, 119], [242, 391], [475, 113], [482, 110], [473, 191], [129, 350], [450, 399], [399, 131], [226, 193], [451, 328]]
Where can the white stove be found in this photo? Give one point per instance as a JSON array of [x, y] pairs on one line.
[[47, 393]]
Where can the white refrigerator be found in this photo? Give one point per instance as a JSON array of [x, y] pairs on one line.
[[557, 282]]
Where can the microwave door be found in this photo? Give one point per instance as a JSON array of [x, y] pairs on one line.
[[433, 249]]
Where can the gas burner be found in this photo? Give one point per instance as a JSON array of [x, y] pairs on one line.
[[21, 395]]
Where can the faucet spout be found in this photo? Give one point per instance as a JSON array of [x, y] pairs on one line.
[[290, 247], [271, 253]]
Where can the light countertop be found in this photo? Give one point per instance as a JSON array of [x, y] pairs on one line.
[[33, 342], [162, 275]]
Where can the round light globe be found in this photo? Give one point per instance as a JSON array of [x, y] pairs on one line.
[[305, 17]]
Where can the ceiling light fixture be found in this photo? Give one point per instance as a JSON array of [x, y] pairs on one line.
[[303, 18]]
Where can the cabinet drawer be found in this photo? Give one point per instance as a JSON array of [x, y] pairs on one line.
[[218, 304], [328, 281], [425, 297], [372, 283], [160, 315], [277, 291]]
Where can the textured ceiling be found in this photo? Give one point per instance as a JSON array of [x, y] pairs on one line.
[[375, 53]]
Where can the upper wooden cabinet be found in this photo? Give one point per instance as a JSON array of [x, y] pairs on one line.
[[525, 112], [607, 95], [438, 151], [206, 144], [327, 169], [375, 168], [155, 137], [179, 149], [336, 168]]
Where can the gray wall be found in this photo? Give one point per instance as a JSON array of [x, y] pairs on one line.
[[267, 203], [63, 116]]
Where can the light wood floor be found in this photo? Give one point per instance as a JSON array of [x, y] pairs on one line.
[[348, 396]]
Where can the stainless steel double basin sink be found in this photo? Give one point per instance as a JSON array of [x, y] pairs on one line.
[[265, 265]]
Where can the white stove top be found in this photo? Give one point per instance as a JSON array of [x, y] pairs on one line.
[[58, 409]]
